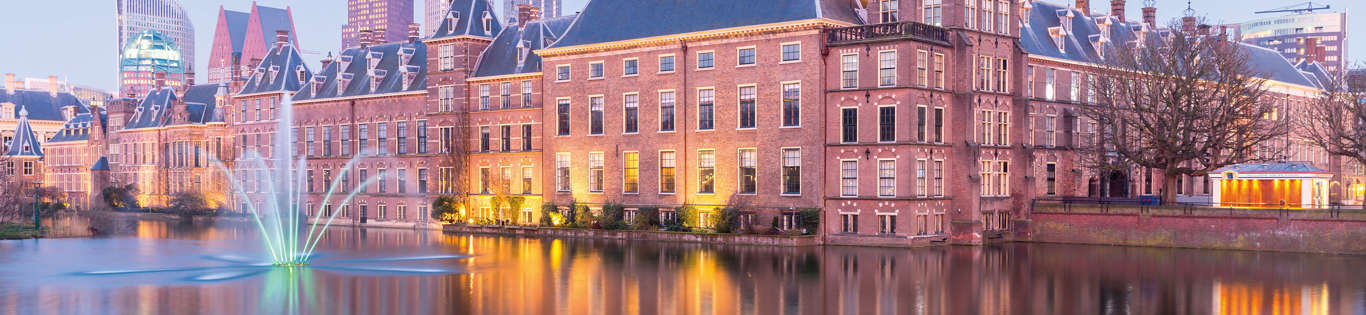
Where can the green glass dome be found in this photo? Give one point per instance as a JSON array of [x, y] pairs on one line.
[[151, 51]]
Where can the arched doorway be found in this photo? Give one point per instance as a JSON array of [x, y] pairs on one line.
[[1092, 187]]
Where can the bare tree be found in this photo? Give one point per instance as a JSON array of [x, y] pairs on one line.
[[1335, 121], [456, 158], [1183, 104]]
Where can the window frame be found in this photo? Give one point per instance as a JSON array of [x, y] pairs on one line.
[[739, 59], [782, 52]]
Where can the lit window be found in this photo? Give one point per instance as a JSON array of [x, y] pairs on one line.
[[706, 171], [562, 171], [667, 163], [595, 171], [631, 172], [748, 171]]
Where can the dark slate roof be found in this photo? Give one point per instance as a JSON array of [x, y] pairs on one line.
[[279, 72], [393, 63], [1315, 72], [101, 165], [501, 57], [469, 18], [201, 101], [76, 129], [617, 20], [25, 143], [1081, 43], [41, 105], [1277, 167], [237, 28], [154, 110], [272, 20]]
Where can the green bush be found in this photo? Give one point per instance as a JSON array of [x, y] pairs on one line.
[[121, 197], [546, 209], [445, 209], [583, 218], [776, 226], [611, 216], [646, 218], [570, 218], [810, 220], [727, 220], [685, 219]]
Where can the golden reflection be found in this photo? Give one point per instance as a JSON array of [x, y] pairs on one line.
[[1245, 299]]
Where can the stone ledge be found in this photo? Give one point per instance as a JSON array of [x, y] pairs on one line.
[[726, 239]]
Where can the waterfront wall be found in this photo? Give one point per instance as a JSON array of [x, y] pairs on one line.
[[1262, 230], [727, 239]]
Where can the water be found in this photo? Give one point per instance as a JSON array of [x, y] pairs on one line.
[[511, 275]]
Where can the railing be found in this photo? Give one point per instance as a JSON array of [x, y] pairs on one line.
[[1136, 206], [888, 31]]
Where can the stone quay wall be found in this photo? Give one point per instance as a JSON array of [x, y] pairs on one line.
[[721, 239]]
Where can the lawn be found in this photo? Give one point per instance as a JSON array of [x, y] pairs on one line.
[[14, 231]]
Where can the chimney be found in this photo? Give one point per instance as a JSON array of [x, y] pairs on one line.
[[1085, 7], [414, 32], [379, 36], [160, 80], [52, 85], [527, 13], [363, 39], [281, 38], [189, 79], [1188, 24], [1150, 17], [9, 83], [1117, 9], [327, 61]]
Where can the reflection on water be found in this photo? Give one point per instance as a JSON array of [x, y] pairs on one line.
[[510, 275]]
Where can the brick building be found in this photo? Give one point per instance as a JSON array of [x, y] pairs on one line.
[[242, 39]]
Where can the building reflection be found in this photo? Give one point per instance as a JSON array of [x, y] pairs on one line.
[[510, 275]]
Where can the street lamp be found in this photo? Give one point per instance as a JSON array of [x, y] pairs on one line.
[[36, 187]]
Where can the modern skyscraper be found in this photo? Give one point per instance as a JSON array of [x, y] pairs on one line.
[[1314, 37], [167, 17], [387, 19], [150, 60], [242, 39], [549, 8], [432, 12]]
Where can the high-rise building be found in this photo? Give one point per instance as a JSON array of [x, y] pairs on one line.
[[1312, 37], [242, 39], [549, 8], [432, 11], [167, 17], [150, 61], [387, 20]]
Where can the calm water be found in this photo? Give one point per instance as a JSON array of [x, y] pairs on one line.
[[509, 275]]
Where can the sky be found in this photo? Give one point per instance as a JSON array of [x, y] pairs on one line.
[[75, 41]]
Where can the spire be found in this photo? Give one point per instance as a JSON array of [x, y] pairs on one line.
[[25, 143], [1189, 11]]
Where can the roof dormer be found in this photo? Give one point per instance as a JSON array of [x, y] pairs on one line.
[[1058, 35], [409, 75], [453, 18], [317, 84], [376, 77], [405, 54], [1065, 19], [488, 22], [1025, 8], [343, 82]]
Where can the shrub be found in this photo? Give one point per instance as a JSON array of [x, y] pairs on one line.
[[546, 210], [810, 220], [188, 202], [728, 220], [121, 197], [514, 207], [583, 218], [570, 218], [776, 226], [611, 216], [445, 209], [646, 218], [686, 219]]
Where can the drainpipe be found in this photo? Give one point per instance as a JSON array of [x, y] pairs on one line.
[[681, 125]]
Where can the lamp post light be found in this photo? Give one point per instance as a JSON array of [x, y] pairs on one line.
[[36, 187]]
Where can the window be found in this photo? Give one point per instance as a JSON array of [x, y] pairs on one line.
[[421, 180], [886, 68], [421, 137], [792, 52], [886, 178], [1002, 84], [484, 96], [1091, 88], [595, 171], [886, 131], [1003, 16], [363, 131], [308, 142], [1050, 131], [705, 104], [792, 104], [920, 123], [921, 184], [922, 72], [504, 179], [938, 125], [1051, 178], [563, 120], [849, 123], [526, 93], [747, 107], [1029, 81], [484, 139], [938, 178], [849, 223], [987, 175], [526, 180], [970, 14], [984, 73], [595, 70], [705, 59], [748, 171], [595, 115], [666, 171], [562, 171], [849, 71], [447, 53], [402, 180], [402, 136], [632, 104], [447, 96], [792, 171], [1048, 90], [1003, 128], [706, 171], [849, 178], [666, 111], [666, 63], [505, 94], [507, 137], [987, 15], [380, 183], [484, 180], [985, 130], [934, 12], [745, 56], [886, 224], [1003, 178], [889, 10], [562, 73], [938, 70], [631, 172], [630, 67], [526, 137], [1076, 86]]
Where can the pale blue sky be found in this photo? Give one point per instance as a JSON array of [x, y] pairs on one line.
[[74, 39]]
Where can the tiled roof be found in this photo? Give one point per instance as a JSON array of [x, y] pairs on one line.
[[76, 129], [1277, 167], [1080, 44], [154, 110], [398, 67], [279, 72], [468, 17], [202, 103], [605, 21], [41, 105], [25, 143], [502, 56]]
